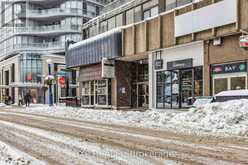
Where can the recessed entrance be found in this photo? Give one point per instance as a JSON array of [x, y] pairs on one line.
[[177, 88], [140, 87]]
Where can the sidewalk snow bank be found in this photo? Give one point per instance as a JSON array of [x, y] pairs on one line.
[[229, 118], [12, 156]]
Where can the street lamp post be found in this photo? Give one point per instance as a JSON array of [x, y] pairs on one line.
[[50, 93]]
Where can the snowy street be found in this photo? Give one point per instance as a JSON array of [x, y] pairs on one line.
[[34, 138]]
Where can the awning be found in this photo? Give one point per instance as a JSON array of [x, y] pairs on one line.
[[93, 50]]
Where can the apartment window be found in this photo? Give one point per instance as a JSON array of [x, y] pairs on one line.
[[137, 14], [146, 14], [111, 23], [129, 17], [119, 20], [171, 4], [154, 11], [151, 12], [93, 30], [91, 9], [103, 26], [150, 4]]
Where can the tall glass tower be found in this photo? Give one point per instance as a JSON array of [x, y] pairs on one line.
[[32, 31]]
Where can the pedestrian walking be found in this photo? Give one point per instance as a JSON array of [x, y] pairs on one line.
[[27, 99], [20, 100]]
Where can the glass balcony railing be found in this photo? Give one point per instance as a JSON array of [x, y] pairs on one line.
[[56, 12], [10, 31], [115, 4], [47, 29], [40, 46], [46, 47]]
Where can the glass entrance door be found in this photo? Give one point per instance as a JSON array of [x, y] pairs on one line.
[[142, 95], [175, 89], [187, 88]]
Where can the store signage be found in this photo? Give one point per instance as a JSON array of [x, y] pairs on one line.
[[61, 80], [108, 68], [244, 41], [229, 68], [158, 64], [180, 64]]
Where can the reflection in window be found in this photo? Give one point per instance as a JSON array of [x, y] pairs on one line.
[[111, 23], [137, 14], [171, 4], [220, 85], [119, 20], [129, 17], [31, 68], [238, 83], [103, 26]]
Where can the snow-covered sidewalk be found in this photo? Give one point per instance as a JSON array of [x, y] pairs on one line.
[[12, 156], [228, 118]]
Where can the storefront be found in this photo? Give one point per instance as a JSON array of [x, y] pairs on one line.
[[229, 76], [96, 93], [177, 76], [177, 86], [140, 84]]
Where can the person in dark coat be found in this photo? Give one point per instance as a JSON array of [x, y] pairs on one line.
[[27, 99]]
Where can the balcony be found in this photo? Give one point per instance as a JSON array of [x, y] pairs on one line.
[[55, 13], [52, 30], [47, 47]]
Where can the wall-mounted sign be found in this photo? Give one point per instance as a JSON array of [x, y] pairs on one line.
[[108, 68], [229, 68], [243, 41], [158, 64], [180, 64]]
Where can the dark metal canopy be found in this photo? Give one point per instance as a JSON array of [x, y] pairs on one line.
[[92, 50]]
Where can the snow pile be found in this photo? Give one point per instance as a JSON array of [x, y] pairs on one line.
[[2, 105], [12, 156], [129, 118], [228, 117]]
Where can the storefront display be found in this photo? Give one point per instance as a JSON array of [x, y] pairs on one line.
[[96, 92], [177, 88], [232, 76]]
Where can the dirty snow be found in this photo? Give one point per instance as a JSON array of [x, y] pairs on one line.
[[12, 156], [92, 153], [228, 118]]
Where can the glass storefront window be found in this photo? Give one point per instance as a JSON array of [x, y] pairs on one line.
[[31, 68], [238, 83], [220, 85], [96, 92], [198, 77], [175, 89]]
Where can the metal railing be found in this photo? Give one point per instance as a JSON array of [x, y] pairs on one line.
[[55, 12], [40, 47], [10, 31]]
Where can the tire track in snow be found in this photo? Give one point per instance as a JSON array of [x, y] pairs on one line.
[[189, 156]]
